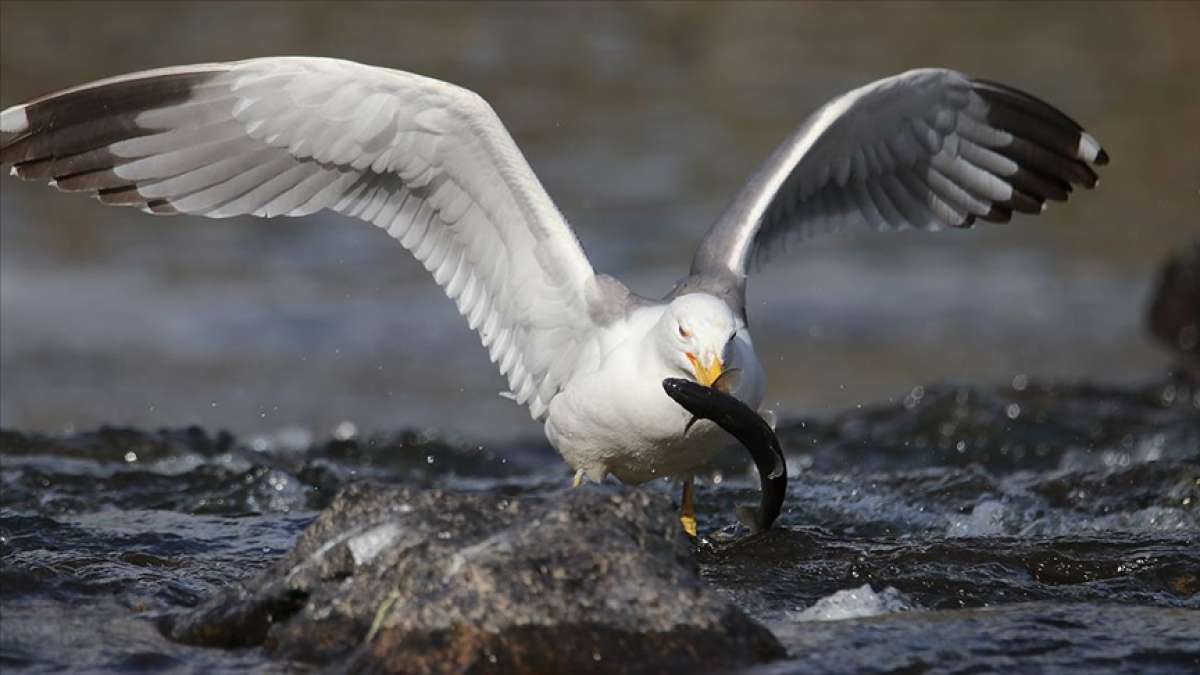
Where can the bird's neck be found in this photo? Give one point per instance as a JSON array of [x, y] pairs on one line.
[[656, 350]]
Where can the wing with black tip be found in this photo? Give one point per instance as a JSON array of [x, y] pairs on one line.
[[925, 149]]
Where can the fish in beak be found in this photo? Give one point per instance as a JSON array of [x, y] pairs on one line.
[[749, 428], [725, 383]]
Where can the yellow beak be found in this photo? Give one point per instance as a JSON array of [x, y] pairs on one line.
[[706, 374]]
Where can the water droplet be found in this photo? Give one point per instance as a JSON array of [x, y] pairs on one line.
[[131, 456], [914, 397], [344, 431], [1013, 411], [1020, 382], [429, 459]]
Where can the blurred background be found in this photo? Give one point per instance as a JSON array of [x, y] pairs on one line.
[[641, 121]]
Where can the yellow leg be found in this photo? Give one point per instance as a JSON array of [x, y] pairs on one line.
[[687, 512], [578, 480]]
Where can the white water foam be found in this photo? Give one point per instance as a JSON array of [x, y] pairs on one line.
[[986, 519], [854, 603]]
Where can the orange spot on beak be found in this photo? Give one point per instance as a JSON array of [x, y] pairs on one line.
[[706, 374]]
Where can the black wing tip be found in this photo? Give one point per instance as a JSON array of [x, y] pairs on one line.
[[160, 207], [1025, 203], [93, 115], [1054, 135], [998, 214]]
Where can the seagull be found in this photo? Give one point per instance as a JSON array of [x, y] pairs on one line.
[[432, 164]]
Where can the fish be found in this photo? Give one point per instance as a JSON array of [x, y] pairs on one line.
[[751, 430], [727, 382]]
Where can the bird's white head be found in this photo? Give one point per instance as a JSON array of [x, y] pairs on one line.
[[694, 335]]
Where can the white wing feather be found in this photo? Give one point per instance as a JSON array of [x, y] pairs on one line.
[[427, 161], [924, 149]]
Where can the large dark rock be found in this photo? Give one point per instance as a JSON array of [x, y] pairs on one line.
[[586, 580]]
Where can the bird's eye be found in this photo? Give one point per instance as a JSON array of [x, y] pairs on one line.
[[683, 332]]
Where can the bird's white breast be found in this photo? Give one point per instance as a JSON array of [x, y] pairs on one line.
[[614, 417]]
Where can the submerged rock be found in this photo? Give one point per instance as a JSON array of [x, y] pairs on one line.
[[585, 580]]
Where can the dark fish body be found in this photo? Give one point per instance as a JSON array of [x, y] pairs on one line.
[[749, 428]]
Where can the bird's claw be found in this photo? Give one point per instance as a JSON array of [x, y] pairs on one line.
[[689, 524], [687, 510]]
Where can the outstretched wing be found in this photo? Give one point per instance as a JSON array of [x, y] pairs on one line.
[[425, 160], [924, 149]]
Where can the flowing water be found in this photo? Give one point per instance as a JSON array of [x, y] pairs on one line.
[[959, 530]]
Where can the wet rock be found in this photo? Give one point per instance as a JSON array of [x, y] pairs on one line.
[[582, 580]]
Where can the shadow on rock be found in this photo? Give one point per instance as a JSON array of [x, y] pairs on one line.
[[582, 581]]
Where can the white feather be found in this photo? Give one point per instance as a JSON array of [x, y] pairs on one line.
[[14, 120], [428, 161], [931, 121]]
